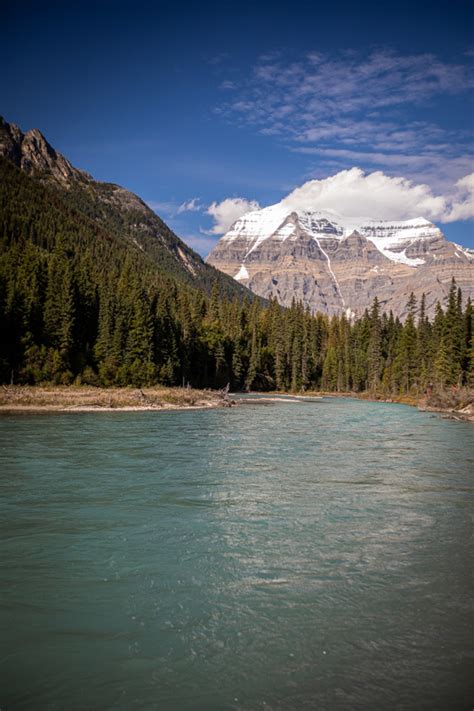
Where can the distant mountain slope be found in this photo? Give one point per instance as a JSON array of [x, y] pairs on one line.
[[121, 213], [334, 265]]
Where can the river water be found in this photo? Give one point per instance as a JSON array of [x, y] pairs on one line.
[[294, 555]]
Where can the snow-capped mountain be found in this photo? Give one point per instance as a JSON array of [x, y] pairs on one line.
[[334, 263]]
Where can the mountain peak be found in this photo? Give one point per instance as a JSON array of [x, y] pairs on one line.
[[32, 153], [116, 213], [331, 261]]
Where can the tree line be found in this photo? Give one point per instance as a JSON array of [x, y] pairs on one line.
[[80, 306]]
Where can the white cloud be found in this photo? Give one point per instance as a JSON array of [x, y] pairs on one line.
[[227, 85], [462, 206], [193, 205], [324, 87], [360, 108], [225, 213], [354, 194]]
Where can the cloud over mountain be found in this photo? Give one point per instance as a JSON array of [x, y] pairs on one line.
[[355, 194], [352, 193], [225, 213]]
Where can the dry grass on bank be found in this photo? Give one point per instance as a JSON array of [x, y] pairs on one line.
[[457, 403], [83, 397]]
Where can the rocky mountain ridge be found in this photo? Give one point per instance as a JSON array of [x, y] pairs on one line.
[[32, 153], [334, 264]]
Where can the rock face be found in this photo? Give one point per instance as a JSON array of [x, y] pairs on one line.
[[32, 153], [332, 264]]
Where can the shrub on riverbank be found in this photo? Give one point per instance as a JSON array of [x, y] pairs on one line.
[[451, 398]]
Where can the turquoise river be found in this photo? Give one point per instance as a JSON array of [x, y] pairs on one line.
[[282, 556]]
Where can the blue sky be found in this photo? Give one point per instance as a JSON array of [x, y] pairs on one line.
[[207, 109]]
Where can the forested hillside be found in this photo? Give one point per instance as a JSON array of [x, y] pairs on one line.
[[113, 210], [80, 305]]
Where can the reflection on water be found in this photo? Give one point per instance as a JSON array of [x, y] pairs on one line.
[[289, 556]]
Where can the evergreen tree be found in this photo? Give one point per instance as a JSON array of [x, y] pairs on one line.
[[296, 348], [442, 365], [253, 361], [59, 317], [468, 342], [424, 350], [374, 352], [453, 334], [139, 349], [406, 366], [470, 364]]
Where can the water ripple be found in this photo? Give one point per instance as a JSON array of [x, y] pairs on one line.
[[279, 557]]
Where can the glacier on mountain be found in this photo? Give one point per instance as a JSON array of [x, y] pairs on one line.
[[334, 263], [391, 238]]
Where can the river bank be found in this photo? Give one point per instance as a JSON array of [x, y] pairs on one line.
[[455, 405], [458, 405], [82, 398]]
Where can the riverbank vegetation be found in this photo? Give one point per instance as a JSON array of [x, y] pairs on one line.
[[172, 336], [83, 398]]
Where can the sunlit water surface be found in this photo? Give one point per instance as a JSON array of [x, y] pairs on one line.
[[312, 555]]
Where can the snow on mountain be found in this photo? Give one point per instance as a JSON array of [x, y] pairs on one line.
[[258, 224], [391, 238], [332, 262]]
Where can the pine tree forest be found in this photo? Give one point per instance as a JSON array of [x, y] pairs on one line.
[[80, 307]]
